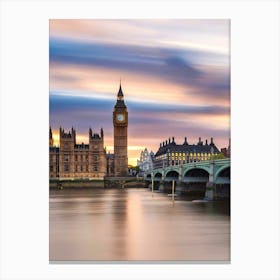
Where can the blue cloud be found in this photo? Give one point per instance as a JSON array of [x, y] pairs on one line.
[[177, 66], [144, 119]]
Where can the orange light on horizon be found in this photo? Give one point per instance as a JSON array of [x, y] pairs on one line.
[[133, 151]]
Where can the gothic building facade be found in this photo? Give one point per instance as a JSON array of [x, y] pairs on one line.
[[145, 162], [72, 161]]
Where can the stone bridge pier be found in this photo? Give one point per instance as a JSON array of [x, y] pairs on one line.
[[161, 183], [210, 185], [166, 182], [179, 184]]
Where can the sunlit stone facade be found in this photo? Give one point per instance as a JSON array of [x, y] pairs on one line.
[[72, 160]]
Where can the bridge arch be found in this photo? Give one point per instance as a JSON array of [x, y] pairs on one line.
[[196, 174], [221, 169], [223, 175], [222, 181], [195, 180], [158, 176], [205, 168], [171, 175], [149, 177]]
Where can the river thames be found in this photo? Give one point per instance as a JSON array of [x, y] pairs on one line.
[[135, 225]]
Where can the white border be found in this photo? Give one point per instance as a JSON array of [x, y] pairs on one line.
[[255, 137]]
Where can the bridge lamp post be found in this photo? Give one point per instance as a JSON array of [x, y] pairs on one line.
[[152, 185], [173, 187]]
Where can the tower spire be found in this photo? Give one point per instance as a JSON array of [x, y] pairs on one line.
[[120, 121], [120, 93]]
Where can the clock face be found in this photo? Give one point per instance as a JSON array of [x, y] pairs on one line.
[[120, 117]]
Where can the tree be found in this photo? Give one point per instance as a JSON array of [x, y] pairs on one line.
[[219, 156]]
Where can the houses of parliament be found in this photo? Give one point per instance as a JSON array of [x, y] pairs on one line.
[[71, 160]]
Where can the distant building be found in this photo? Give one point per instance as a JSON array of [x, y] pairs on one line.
[[226, 151], [132, 171], [110, 164], [54, 162], [170, 153], [53, 158], [146, 161]]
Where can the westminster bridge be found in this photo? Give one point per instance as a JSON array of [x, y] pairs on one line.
[[210, 178]]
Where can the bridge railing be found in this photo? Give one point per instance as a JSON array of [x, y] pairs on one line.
[[191, 164]]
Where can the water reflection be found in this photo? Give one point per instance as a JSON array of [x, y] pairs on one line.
[[130, 224]]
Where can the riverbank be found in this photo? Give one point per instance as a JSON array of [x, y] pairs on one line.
[[76, 183], [123, 182], [107, 182]]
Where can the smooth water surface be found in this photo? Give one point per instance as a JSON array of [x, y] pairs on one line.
[[135, 225]]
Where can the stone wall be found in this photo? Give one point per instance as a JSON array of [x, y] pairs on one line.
[[108, 182], [76, 184], [123, 182]]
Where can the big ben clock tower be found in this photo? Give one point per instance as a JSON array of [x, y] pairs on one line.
[[120, 121]]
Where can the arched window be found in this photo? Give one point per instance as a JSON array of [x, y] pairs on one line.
[[66, 167]]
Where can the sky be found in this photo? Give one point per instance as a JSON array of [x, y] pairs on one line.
[[175, 76]]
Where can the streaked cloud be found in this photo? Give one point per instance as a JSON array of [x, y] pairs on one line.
[[163, 65], [175, 77]]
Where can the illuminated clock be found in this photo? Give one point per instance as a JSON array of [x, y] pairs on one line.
[[120, 117]]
